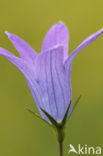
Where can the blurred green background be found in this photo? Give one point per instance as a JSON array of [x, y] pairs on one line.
[[21, 134]]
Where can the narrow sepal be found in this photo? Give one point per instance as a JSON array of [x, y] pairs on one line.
[[54, 123], [74, 106], [37, 115], [58, 126], [66, 114]]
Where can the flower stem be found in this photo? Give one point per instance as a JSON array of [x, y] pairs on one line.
[[61, 147], [60, 130]]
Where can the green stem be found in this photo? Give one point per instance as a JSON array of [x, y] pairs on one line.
[[61, 148], [60, 131]]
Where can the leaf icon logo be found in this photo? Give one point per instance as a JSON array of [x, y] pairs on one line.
[[72, 149]]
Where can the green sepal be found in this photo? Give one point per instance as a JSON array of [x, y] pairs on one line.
[[58, 126], [75, 104], [66, 115], [53, 122], [38, 116]]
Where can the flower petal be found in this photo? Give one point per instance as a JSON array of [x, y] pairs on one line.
[[28, 72], [50, 74], [87, 41], [25, 51], [57, 35], [68, 62]]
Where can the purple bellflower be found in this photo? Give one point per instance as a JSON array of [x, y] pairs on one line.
[[48, 74]]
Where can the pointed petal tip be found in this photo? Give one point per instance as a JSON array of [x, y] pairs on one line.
[[101, 30], [60, 22], [7, 34], [86, 42]]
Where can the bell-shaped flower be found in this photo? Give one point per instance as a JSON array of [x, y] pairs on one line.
[[48, 74]]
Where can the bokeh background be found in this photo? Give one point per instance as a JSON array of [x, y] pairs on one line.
[[21, 134]]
